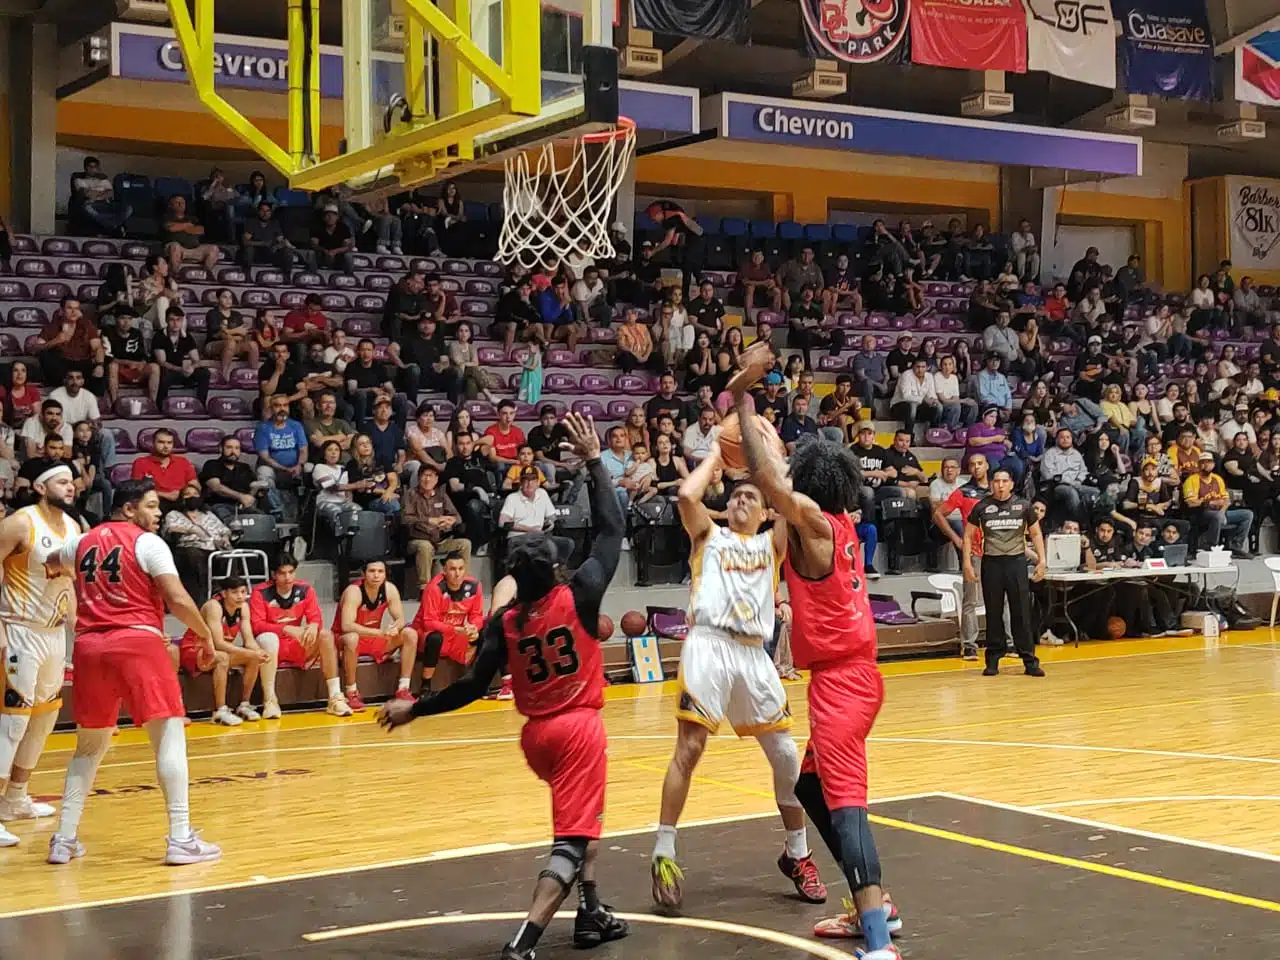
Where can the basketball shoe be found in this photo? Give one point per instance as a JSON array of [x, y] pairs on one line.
[[847, 926], [890, 952], [7, 839], [24, 808], [62, 850], [594, 927], [803, 872], [180, 853], [509, 952]]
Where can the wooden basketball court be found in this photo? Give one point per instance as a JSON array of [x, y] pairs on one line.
[[1145, 773]]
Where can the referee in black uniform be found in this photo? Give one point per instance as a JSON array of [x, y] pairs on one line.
[[1004, 522]]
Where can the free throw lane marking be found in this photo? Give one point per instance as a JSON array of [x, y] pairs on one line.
[[813, 948]]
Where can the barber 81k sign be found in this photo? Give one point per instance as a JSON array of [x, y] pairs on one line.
[[1253, 216]]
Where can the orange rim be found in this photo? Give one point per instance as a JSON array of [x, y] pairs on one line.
[[626, 126]]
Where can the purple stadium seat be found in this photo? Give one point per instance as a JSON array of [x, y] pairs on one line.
[[147, 441], [22, 243], [308, 280], [490, 355], [885, 341], [335, 301], [559, 357], [488, 268], [619, 409], [518, 355], [188, 296], [244, 378], [292, 299], [450, 285], [209, 297], [28, 317], [849, 320], [124, 440], [557, 383], [927, 322], [526, 411], [879, 321], [196, 323], [481, 410], [245, 436], [33, 268], [87, 292], [394, 264], [360, 326], [960, 437], [1182, 370], [361, 261], [425, 264], [9, 346], [120, 473], [76, 269], [29, 346], [456, 267], [480, 288], [513, 382], [589, 408], [136, 408], [229, 408], [13, 290], [59, 247], [595, 383], [473, 308], [204, 440], [443, 409], [829, 364], [601, 335], [937, 437], [271, 277], [369, 303], [234, 275], [135, 251], [343, 281], [773, 318], [380, 351], [631, 383], [900, 323], [378, 282], [257, 299], [184, 408], [193, 274]]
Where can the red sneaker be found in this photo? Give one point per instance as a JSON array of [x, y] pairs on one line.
[[405, 694], [847, 926], [505, 693], [354, 701], [804, 874]]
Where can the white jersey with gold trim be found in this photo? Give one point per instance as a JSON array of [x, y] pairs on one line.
[[27, 594], [734, 578]]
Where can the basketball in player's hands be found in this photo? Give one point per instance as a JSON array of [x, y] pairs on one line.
[[634, 623], [1116, 627], [730, 439], [604, 627]]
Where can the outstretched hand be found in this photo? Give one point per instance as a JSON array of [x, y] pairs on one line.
[[395, 713], [753, 364], [583, 439]]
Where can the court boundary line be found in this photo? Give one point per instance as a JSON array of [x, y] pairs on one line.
[[439, 855], [1171, 798]]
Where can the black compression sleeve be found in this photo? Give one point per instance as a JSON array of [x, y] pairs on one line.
[[473, 684], [592, 579]]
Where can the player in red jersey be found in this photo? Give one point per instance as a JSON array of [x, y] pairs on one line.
[[227, 615], [834, 637], [548, 635], [124, 578], [357, 624], [449, 621]]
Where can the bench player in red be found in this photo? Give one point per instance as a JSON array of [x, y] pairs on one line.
[[548, 634], [227, 615], [833, 635], [124, 578], [450, 617], [357, 624]]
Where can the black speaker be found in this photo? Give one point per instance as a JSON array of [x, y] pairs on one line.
[[600, 84]]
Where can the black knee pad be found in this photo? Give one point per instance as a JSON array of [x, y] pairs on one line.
[[565, 863], [858, 857], [431, 647], [809, 793]]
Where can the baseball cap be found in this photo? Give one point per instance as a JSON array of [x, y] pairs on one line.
[[330, 208], [1151, 462], [1271, 393], [773, 379], [1242, 405], [866, 426], [1096, 339], [1206, 456]]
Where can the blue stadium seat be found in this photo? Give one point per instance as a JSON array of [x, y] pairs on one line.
[[496, 213], [763, 228], [166, 187], [709, 225], [733, 227], [817, 232], [293, 198], [475, 211], [844, 233], [133, 188]]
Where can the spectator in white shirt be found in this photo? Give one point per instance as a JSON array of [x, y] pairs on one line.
[[1091, 308], [1239, 423], [1026, 253], [698, 437], [589, 299], [915, 399], [35, 429], [530, 510], [956, 409], [79, 405]]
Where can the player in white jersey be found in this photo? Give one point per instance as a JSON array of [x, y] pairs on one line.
[[725, 673], [34, 609]]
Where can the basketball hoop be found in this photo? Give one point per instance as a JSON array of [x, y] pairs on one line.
[[562, 205]]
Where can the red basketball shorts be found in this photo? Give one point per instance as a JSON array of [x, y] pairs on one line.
[[195, 659], [455, 647], [130, 666], [293, 653], [569, 751], [379, 648], [844, 700]]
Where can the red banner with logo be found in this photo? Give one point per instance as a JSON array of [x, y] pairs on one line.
[[969, 34]]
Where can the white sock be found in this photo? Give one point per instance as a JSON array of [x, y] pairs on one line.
[[15, 791], [335, 688], [797, 844], [169, 740], [269, 642], [352, 688], [403, 684], [91, 747], [666, 842]]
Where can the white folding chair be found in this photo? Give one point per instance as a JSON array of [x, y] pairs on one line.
[[1273, 564]]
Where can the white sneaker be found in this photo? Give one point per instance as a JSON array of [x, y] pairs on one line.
[[62, 850], [225, 717], [24, 809], [626, 544], [397, 250], [299, 549], [271, 710], [338, 707], [7, 839], [1051, 639], [180, 853], [246, 712], [381, 249]]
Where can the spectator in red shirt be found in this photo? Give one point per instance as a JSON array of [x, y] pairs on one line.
[[69, 341], [1056, 304], [306, 324], [170, 473], [449, 621], [506, 438]]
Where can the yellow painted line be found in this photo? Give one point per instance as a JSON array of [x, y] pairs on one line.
[[811, 947], [1105, 870]]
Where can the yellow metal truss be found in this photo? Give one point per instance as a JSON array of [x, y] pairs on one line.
[[418, 151]]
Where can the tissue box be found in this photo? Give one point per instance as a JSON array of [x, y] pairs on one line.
[[1217, 557]]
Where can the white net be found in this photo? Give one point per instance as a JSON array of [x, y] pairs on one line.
[[562, 205]]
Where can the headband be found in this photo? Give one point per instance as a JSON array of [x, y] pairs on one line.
[[55, 471]]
